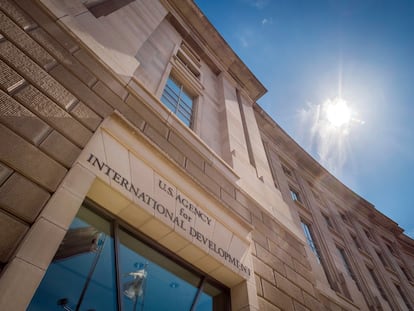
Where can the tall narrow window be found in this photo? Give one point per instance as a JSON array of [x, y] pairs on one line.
[[287, 171], [356, 242], [347, 266], [377, 283], [407, 275], [345, 261], [369, 235], [295, 195], [391, 249], [312, 244], [328, 221], [310, 240], [178, 100], [404, 297], [382, 259]]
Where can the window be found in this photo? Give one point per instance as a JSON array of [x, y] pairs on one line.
[[310, 240], [100, 265], [391, 249], [105, 7], [295, 195], [356, 242], [344, 218], [407, 275], [345, 261], [328, 221], [347, 266], [382, 259], [178, 100], [377, 283], [369, 235], [287, 171], [404, 297]]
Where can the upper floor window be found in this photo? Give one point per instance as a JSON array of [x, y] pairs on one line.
[[391, 249], [356, 241], [369, 235], [377, 283], [382, 259], [310, 240], [404, 297], [347, 265], [178, 100], [407, 275], [287, 171], [295, 195], [328, 221]]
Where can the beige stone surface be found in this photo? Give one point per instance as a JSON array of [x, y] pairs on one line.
[[34, 250], [174, 242], [117, 157], [62, 208], [59, 148], [134, 215], [11, 231], [22, 198], [56, 116], [155, 229], [14, 296], [112, 200], [22, 120], [31, 162]]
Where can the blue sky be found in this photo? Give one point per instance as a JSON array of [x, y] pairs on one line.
[[306, 52]]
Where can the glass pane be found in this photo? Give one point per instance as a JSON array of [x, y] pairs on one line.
[[82, 272], [178, 101], [150, 281], [184, 117], [212, 299], [173, 86], [186, 99]]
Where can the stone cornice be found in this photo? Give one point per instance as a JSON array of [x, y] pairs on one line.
[[196, 23]]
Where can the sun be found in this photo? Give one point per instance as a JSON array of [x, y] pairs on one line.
[[338, 112]]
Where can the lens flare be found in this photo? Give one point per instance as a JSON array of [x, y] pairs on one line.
[[338, 112]]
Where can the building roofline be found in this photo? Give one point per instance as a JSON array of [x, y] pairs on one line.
[[194, 18]]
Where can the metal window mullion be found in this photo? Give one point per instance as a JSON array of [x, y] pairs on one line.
[[198, 294], [179, 99], [115, 229]]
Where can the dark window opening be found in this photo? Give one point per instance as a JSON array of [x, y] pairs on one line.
[[347, 266], [407, 275], [382, 259], [328, 221], [377, 284], [100, 8], [404, 297]]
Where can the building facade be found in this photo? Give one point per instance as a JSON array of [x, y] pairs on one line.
[[137, 172]]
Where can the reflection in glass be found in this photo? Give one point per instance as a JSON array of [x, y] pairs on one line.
[[164, 279], [83, 274]]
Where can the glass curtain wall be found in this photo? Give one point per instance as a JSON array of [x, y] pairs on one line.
[[100, 265]]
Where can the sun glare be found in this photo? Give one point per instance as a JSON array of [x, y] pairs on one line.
[[338, 112]]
